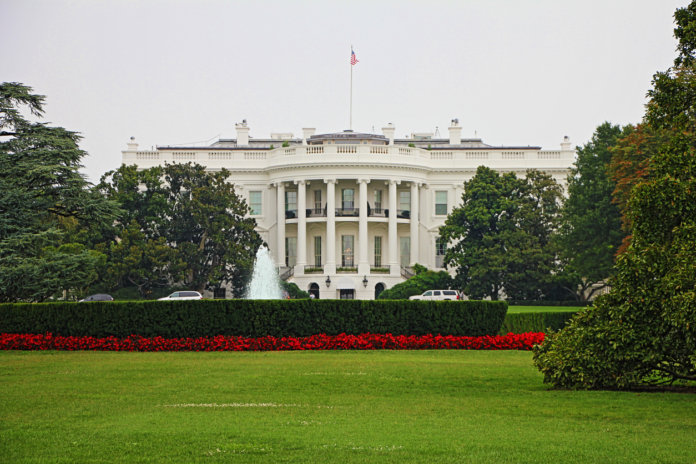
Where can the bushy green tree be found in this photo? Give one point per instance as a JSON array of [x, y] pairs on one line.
[[590, 233], [43, 197], [419, 283], [644, 331], [183, 218], [499, 239]]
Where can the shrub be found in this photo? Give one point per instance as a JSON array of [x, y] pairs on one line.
[[254, 318], [535, 322], [422, 281]]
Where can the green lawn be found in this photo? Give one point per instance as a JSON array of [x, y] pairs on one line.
[[544, 309], [332, 406]]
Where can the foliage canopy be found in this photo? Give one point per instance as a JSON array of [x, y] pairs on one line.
[[644, 332]]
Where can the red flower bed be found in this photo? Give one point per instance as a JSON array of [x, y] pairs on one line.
[[366, 341]]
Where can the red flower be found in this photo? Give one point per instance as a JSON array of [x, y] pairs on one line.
[[366, 341]]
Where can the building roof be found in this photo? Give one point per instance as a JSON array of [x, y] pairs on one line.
[[346, 135]]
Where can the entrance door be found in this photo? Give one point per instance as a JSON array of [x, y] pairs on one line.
[[314, 290]]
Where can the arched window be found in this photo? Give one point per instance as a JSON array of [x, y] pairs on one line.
[[379, 288], [314, 290]]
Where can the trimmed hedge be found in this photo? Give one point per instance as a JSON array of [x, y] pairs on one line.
[[535, 321], [548, 303], [254, 318]]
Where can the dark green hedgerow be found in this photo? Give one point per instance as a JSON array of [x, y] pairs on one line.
[[535, 322], [254, 318]]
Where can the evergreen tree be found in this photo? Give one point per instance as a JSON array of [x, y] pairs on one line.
[[43, 196], [590, 232]]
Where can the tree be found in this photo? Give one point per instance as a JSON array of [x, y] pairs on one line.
[[41, 192], [143, 263], [195, 213], [531, 253], [643, 331], [499, 238], [590, 231], [209, 227], [630, 165]]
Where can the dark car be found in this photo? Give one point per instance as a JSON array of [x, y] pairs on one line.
[[98, 297]]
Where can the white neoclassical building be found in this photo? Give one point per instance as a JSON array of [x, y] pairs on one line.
[[347, 214]]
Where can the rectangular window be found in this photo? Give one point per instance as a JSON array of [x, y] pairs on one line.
[[317, 201], [441, 202], [378, 251], [290, 251], [347, 251], [378, 201], [290, 201], [440, 250], [348, 199], [405, 250], [317, 251], [255, 203], [405, 201]]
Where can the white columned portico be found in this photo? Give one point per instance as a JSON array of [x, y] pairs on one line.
[[330, 264], [415, 207], [301, 227], [363, 263], [393, 239], [280, 237]]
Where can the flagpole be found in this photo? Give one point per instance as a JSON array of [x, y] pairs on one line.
[[351, 91]]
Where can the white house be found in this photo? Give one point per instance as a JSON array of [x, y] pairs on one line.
[[347, 214]]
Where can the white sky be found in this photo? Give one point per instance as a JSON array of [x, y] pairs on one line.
[[515, 72]]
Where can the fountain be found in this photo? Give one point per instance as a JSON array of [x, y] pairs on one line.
[[265, 284]]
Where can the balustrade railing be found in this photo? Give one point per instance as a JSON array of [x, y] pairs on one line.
[[347, 212]]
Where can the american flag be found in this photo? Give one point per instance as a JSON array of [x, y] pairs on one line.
[[353, 58]]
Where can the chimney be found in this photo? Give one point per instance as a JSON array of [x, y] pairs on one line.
[[242, 133], [389, 132], [307, 132], [565, 145], [455, 133], [132, 144]]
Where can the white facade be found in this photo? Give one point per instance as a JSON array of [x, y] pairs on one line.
[[347, 214]]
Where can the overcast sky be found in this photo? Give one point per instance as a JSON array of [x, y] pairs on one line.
[[517, 72]]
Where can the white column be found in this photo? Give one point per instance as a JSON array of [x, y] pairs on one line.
[[393, 239], [415, 223], [363, 263], [280, 237], [301, 227], [330, 264], [456, 201]]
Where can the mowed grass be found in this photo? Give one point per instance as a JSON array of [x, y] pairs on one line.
[[331, 406]]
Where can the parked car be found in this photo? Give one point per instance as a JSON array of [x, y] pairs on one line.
[[183, 295], [98, 297], [437, 295]]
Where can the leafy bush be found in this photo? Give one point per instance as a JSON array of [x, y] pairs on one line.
[[254, 318], [422, 281], [641, 333], [293, 290]]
